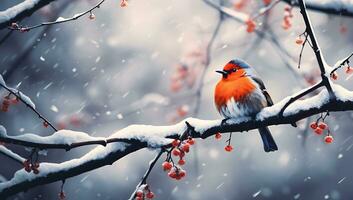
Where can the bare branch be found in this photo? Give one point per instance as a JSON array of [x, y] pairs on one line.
[[60, 19], [145, 176], [18, 95]]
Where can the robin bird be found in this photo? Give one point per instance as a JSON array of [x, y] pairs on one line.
[[240, 93]]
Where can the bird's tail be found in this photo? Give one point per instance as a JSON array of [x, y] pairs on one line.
[[267, 139]]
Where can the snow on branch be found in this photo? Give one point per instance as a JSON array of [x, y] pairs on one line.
[[140, 136], [337, 7], [20, 11]]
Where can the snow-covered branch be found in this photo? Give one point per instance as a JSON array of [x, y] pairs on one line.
[[140, 136], [20, 11], [337, 7]]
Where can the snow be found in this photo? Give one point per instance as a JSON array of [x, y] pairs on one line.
[[12, 12], [66, 137], [2, 80], [2, 131], [98, 153], [332, 4], [28, 100], [60, 19], [11, 154]]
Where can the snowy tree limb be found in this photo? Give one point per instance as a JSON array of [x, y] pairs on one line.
[[336, 7], [10, 154], [141, 136], [20, 11]]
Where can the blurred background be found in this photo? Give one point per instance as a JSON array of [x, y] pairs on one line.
[[143, 64]]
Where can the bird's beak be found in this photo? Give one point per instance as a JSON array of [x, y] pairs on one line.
[[224, 73]]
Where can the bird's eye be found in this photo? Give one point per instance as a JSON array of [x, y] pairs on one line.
[[234, 70]]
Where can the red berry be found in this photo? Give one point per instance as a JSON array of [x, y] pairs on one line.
[[322, 125], [349, 70], [191, 141], [218, 136], [181, 162], [185, 147], [123, 3], [299, 40], [36, 165], [250, 25], [167, 166], [334, 76], [150, 195], [14, 25], [228, 148], [62, 195], [139, 193], [172, 174], [313, 125], [14, 101], [35, 171], [176, 152], [182, 173], [287, 8], [139, 198], [328, 139], [318, 131], [5, 104], [266, 2], [91, 16], [45, 124], [175, 143]]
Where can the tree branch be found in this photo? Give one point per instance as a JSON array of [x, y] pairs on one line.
[[20, 11], [336, 7], [10, 154], [60, 19], [141, 136]]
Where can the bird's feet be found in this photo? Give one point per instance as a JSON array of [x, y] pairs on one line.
[[224, 121]]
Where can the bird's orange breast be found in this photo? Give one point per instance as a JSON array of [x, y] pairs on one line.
[[238, 89]]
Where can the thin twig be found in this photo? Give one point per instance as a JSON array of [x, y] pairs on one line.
[[341, 64], [17, 94], [147, 173], [58, 21], [265, 9]]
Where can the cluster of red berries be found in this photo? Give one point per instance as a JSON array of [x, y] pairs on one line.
[[349, 70], [7, 102], [251, 25], [179, 149], [183, 76], [287, 23], [228, 147], [15, 26], [319, 128], [29, 166], [144, 192], [123, 3]]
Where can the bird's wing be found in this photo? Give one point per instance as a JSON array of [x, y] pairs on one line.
[[264, 91]]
